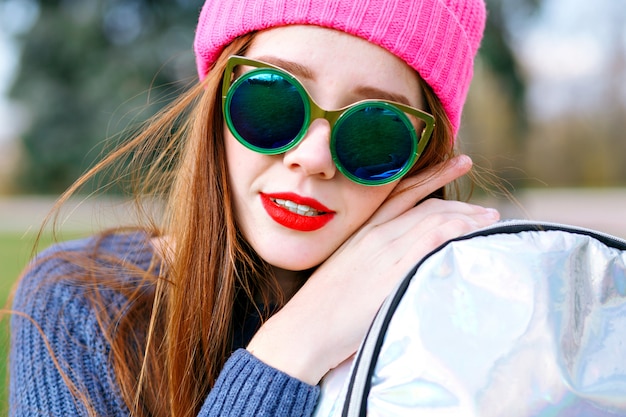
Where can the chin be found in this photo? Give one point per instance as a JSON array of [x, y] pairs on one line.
[[289, 261], [291, 265]]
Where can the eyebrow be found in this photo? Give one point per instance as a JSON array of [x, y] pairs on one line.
[[289, 66], [362, 90], [373, 92]]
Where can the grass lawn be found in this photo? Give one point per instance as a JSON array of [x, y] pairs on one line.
[[15, 251]]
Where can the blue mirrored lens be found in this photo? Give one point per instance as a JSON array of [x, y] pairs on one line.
[[267, 110], [373, 143]]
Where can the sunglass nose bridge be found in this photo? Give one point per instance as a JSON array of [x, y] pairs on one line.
[[319, 113]]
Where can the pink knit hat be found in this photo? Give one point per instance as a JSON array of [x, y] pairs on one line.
[[438, 38]]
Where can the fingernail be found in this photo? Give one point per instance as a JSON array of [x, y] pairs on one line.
[[463, 160], [493, 213]]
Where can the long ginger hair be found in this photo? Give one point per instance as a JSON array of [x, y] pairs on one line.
[[171, 339]]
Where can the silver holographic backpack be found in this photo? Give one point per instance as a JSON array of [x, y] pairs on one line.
[[519, 320]]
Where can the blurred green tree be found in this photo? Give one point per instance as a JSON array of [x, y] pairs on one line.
[[88, 69], [497, 49]]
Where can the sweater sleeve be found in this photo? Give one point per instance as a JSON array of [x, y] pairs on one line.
[[248, 387], [56, 338]]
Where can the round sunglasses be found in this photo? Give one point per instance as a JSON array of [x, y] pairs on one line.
[[372, 142]]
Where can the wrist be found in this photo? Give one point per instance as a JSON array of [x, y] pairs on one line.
[[290, 350]]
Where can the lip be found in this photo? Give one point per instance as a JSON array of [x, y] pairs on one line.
[[293, 220]]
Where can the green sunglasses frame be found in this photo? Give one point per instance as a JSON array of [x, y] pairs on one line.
[[313, 111]]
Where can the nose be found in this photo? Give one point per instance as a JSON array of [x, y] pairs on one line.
[[312, 155]]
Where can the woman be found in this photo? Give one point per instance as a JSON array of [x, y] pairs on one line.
[[285, 225]]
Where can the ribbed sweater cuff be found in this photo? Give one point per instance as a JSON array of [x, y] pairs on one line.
[[249, 387]]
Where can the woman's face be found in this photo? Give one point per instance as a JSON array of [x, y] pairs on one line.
[[337, 70]]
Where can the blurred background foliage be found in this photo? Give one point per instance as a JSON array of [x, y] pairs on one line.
[[90, 68], [516, 125]]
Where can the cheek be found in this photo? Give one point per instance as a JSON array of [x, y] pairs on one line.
[[232, 151], [364, 201], [236, 164], [240, 161], [247, 169]]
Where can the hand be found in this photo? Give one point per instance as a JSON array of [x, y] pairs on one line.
[[325, 321]]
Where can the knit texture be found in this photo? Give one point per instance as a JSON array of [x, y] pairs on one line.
[[245, 387], [438, 38]]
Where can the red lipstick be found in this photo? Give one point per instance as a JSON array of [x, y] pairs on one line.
[[309, 215]]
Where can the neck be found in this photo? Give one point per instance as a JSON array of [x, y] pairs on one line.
[[290, 281]]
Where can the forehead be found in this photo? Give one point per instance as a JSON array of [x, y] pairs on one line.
[[315, 42], [337, 58]]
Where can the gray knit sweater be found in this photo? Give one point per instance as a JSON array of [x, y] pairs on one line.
[[59, 310]]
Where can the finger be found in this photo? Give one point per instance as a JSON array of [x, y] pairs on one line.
[[411, 190], [432, 213], [433, 178], [454, 226], [420, 240]]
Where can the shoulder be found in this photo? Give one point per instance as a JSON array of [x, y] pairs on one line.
[[59, 309], [60, 277], [65, 261]]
